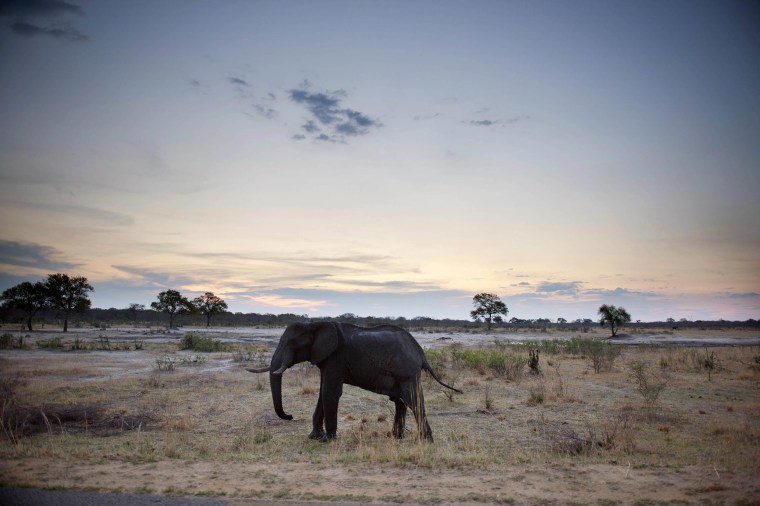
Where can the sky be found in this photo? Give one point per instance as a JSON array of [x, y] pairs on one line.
[[386, 158]]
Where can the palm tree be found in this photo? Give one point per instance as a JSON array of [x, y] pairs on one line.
[[615, 316]]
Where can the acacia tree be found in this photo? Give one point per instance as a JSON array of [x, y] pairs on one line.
[[489, 307], [208, 305], [68, 294], [615, 316], [27, 297], [173, 303]]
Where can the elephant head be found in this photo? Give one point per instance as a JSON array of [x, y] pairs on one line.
[[300, 342]]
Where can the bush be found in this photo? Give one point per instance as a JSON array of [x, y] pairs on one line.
[[436, 358], [197, 342], [6, 341], [649, 386], [601, 353], [497, 361], [54, 343]]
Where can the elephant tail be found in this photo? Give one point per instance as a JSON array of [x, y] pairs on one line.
[[429, 369]]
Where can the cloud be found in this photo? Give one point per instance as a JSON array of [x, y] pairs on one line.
[[267, 112], [494, 122], [60, 31], [336, 122], [238, 81], [561, 288], [43, 10], [90, 213], [38, 8], [748, 295], [426, 117], [38, 256], [619, 292], [483, 122]]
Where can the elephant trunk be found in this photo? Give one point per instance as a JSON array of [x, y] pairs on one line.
[[280, 361], [275, 382]]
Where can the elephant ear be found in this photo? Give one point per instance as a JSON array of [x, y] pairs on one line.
[[326, 341]]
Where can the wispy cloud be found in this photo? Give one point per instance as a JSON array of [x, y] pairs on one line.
[[45, 11], [62, 31], [331, 121], [571, 288], [239, 81], [483, 122], [38, 256], [89, 213], [491, 122], [619, 292]]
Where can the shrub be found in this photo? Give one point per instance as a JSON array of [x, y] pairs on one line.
[[53, 342], [199, 342], [165, 363], [601, 353], [6, 341], [436, 358], [649, 386]]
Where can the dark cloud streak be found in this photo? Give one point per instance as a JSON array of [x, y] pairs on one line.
[[62, 32], [44, 10], [38, 256]]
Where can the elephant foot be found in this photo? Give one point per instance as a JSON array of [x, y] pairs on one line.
[[328, 437], [316, 434]]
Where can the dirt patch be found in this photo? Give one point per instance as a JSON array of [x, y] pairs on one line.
[[562, 483]]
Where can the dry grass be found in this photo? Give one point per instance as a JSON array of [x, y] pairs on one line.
[[218, 412]]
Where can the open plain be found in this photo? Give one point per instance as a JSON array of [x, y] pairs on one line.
[[655, 417]]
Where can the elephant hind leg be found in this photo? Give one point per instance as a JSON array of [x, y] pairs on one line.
[[416, 402], [399, 420]]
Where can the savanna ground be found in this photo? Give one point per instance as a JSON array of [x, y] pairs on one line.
[[128, 411]]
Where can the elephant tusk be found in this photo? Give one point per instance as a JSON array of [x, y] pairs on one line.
[[280, 370], [258, 369]]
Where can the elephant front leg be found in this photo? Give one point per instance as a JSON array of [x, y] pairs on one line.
[[399, 420], [318, 420], [330, 395]]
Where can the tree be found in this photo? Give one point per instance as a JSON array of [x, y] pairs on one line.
[[615, 316], [208, 305], [173, 303], [489, 307], [133, 308], [68, 294], [27, 297]]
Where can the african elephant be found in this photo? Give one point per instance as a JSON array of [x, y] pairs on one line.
[[384, 359]]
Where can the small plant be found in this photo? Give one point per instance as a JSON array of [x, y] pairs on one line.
[[78, 344], [647, 384], [6, 341], [165, 363], [536, 396], [138, 344], [104, 343], [709, 363], [487, 399]]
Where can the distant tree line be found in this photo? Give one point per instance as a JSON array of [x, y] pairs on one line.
[[61, 298]]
